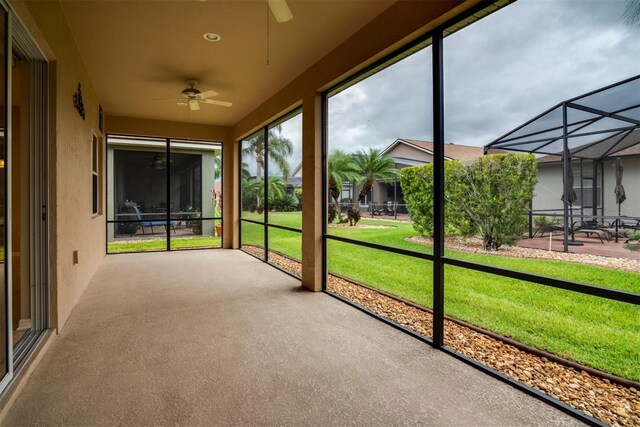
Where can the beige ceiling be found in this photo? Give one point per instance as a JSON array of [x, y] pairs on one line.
[[138, 52]]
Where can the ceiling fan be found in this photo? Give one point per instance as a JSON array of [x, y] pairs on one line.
[[280, 10], [158, 161], [194, 97]]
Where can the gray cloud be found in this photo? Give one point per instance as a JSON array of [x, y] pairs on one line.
[[499, 72]]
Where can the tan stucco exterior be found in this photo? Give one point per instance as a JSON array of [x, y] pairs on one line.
[[70, 218], [70, 149], [162, 128]]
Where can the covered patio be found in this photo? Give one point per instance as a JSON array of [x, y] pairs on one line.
[[206, 337]]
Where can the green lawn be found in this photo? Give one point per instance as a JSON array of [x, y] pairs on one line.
[[161, 244], [600, 333]]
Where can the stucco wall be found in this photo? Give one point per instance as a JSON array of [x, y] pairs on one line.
[[406, 152], [72, 226], [162, 128], [549, 188]]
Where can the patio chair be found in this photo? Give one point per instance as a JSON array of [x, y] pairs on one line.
[[593, 227], [389, 209], [611, 229], [630, 224], [144, 224], [373, 209]]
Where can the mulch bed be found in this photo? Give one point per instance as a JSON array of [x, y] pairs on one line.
[[598, 397]]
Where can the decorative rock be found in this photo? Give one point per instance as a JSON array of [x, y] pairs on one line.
[[609, 402]]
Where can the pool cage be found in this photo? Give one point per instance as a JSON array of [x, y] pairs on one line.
[[594, 126]]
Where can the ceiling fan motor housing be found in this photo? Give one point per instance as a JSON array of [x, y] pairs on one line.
[[191, 92]]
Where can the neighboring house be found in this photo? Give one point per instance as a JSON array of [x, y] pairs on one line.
[[593, 180], [295, 180], [407, 153]]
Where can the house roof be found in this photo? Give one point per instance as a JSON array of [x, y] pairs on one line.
[[296, 170], [451, 151], [632, 139]]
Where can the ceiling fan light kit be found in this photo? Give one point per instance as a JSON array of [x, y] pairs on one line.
[[280, 10], [193, 97]]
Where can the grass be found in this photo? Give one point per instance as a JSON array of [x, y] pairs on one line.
[[594, 331], [160, 244]]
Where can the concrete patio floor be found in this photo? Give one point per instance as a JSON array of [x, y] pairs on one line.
[[216, 337]]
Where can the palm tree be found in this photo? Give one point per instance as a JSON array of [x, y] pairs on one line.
[[280, 148], [246, 174], [253, 188], [341, 167], [216, 197], [276, 187], [374, 165], [217, 166], [252, 191], [631, 12]]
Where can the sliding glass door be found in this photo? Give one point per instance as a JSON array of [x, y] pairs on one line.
[[4, 306]]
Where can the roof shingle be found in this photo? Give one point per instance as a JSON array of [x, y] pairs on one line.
[[452, 151]]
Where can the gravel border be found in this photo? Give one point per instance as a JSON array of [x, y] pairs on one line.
[[600, 398], [597, 397]]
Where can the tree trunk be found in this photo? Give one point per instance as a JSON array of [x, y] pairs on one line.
[[333, 190], [366, 187]]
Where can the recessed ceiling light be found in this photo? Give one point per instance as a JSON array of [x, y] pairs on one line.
[[212, 37]]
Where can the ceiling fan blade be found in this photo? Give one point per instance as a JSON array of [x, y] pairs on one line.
[[193, 105], [214, 102], [208, 94], [280, 10]]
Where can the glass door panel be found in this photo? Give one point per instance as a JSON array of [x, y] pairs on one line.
[[195, 182], [137, 195], [4, 309], [21, 205]]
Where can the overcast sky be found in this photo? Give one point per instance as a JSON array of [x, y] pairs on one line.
[[499, 72], [292, 130]]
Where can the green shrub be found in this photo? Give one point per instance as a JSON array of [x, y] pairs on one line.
[[298, 193], [634, 235], [353, 214], [488, 196], [417, 187], [543, 222], [285, 203], [332, 212], [494, 193]]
